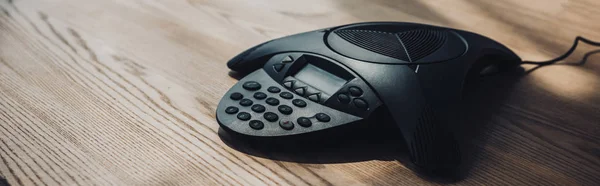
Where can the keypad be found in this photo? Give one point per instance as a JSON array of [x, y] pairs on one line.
[[251, 101], [272, 103]]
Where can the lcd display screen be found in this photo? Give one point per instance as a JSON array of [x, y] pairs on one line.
[[320, 79]]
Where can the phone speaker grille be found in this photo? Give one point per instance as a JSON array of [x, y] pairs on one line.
[[410, 46], [421, 43], [383, 43]]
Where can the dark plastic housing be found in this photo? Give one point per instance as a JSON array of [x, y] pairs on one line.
[[414, 72]]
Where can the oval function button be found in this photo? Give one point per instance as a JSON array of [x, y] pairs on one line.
[[286, 95], [287, 125], [304, 121], [236, 96], [284, 109], [231, 110], [360, 103], [343, 98], [256, 124], [299, 103], [251, 85], [246, 102], [273, 89], [355, 91], [244, 116], [260, 95], [258, 108], [323, 117], [272, 101], [269, 116]]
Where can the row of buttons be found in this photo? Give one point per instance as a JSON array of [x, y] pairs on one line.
[[287, 125], [258, 95], [302, 90], [284, 109], [279, 66], [355, 92], [271, 101], [304, 121], [244, 116], [256, 108]]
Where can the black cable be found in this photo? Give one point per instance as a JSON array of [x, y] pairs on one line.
[[566, 54]]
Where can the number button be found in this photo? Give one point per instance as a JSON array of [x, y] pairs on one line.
[[236, 96], [299, 103], [231, 110], [244, 116]]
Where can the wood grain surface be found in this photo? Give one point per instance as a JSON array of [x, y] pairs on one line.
[[121, 92]]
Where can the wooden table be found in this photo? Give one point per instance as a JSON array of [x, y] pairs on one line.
[[124, 92]]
